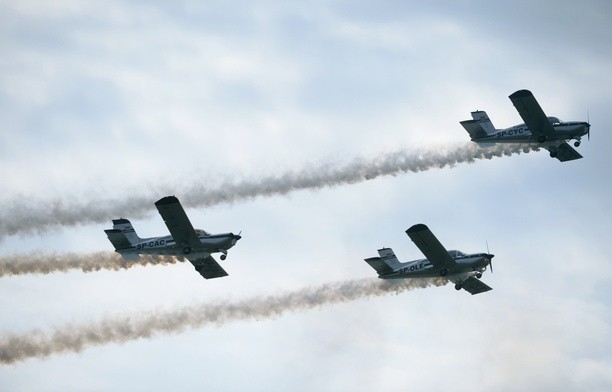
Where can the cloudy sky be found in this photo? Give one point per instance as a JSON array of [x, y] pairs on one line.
[[102, 102]]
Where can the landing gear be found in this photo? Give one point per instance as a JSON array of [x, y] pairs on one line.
[[458, 287], [223, 257], [553, 154], [577, 143], [443, 272], [186, 250], [479, 275]]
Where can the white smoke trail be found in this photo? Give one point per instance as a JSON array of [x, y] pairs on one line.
[[45, 263], [75, 338], [24, 216]]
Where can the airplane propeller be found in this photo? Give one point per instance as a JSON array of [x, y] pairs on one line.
[[589, 125], [490, 257]]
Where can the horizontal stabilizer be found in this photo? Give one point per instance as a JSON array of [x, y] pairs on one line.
[[479, 126], [474, 286], [118, 239], [125, 227], [379, 265], [474, 129]]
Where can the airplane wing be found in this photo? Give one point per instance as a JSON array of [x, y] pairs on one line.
[[435, 252], [532, 113], [474, 286], [208, 267], [177, 221], [565, 152]]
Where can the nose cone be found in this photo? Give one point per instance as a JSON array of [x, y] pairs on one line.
[[237, 237], [490, 256]]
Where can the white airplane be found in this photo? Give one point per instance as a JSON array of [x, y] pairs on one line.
[[464, 270], [195, 245], [550, 132]]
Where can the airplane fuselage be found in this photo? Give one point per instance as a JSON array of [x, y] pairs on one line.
[[471, 264], [522, 134], [167, 246]]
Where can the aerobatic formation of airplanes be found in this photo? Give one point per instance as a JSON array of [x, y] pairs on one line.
[[550, 132], [464, 270], [184, 240]]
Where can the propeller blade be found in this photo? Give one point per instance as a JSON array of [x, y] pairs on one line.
[[588, 130], [490, 257]]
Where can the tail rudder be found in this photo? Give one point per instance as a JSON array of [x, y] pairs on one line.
[[480, 125], [123, 233], [126, 228], [386, 263]]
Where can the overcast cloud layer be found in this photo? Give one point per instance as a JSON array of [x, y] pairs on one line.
[[106, 107]]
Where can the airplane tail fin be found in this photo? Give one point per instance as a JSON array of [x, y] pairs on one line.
[[122, 235], [480, 125], [386, 263]]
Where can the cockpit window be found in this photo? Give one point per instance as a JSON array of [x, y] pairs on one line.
[[554, 120], [456, 253], [200, 232]]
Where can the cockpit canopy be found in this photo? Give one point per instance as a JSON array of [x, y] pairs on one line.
[[554, 120], [456, 253], [201, 232]]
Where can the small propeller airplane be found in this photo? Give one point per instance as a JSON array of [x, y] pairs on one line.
[[464, 270], [184, 240], [550, 132]]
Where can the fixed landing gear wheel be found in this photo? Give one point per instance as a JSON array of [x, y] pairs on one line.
[[553, 154], [186, 250], [223, 257], [576, 144], [457, 286], [479, 275], [443, 272]]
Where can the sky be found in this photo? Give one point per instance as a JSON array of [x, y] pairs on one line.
[[107, 106]]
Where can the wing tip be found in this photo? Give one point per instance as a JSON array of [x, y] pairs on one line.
[[521, 94], [166, 200], [417, 228]]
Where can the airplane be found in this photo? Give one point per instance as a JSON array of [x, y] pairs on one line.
[[184, 240], [550, 132], [464, 270]]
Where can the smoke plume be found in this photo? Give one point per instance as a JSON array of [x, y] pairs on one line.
[[75, 338], [45, 263], [26, 216]]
